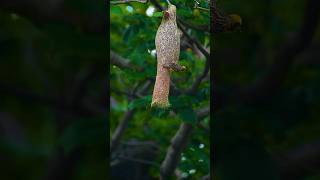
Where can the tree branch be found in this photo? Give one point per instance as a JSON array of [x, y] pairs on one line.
[[204, 28], [118, 133], [123, 125], [119, 61], [270, 83], [199, 79], [202, 113], [201, 8], [194, 41], [178, 144]]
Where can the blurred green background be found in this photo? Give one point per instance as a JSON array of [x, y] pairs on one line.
[[53, 105], [148, 131], [266, 92]]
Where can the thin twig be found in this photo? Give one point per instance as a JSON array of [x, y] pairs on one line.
[[123, 125], [121, 62], [194, 41], [201, 8], [204, 28], [199, 79]]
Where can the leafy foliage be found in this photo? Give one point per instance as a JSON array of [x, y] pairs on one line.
[[132, 37]]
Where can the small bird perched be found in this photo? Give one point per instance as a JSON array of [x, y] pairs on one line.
[[229, 23], [167, 43], [225, 23]]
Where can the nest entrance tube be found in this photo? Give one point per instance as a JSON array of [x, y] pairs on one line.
[[161, 88]]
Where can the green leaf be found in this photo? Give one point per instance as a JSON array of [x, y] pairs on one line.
[[158, 14], [142, 102], [116, 10], [181, 102], [160, 113]]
